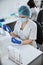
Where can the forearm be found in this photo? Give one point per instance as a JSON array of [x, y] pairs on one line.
[[26, 42], [13, 34]]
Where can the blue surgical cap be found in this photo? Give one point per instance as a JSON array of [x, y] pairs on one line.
[[24, 10]]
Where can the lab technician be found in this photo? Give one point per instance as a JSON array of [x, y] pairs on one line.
[[35, 7], [25, 29]]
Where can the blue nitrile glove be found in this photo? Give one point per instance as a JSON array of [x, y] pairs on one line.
[[2, 20], [15, 41], [7, 28]]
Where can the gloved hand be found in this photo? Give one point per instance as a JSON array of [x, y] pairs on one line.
[[7, 28], [15, 41]]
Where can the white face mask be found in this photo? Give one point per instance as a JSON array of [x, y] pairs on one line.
[[37, 3]]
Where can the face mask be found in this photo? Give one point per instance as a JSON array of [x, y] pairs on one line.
[[23, 19]]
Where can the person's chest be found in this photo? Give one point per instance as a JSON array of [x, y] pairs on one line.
[[23, 26], [24, 32]]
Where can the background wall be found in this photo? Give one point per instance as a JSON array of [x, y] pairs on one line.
[[9, 6]]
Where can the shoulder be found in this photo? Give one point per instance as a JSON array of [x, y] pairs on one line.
[[33, 24]]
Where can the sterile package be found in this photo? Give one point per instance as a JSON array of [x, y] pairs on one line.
[[14, 54]]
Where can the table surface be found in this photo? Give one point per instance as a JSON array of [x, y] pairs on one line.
[[28, 52]]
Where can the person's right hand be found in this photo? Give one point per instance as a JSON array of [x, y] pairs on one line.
[[7, 28]]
